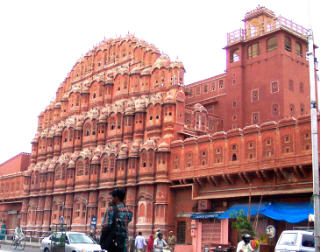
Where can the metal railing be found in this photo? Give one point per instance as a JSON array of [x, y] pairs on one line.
[[30, 235], [242, 34]]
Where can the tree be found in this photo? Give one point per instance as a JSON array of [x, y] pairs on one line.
[[241, 223]]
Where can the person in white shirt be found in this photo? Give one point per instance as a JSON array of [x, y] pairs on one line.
[[140, 242], [18, 234], [159, 243], [244, 245]]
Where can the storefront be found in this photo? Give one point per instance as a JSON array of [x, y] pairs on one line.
[[207, 230]]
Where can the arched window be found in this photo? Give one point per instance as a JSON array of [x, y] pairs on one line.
[[287, 44], [142, 210], [298, 49], [37, 178], [150, 157], [253, 50], [125, 85], [63, 173], [112, 163], [80, 168], [272, 44], [87, 168], [235, 55], [58, 171], [104, 165], [119, 121], [144, 159], [77, 100], [234, 157], [87, 130], [70, 135], [65, 136], [112, 124]]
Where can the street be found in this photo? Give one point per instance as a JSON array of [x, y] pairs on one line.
[[9, 248]]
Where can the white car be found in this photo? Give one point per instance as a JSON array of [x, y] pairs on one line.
[[295, 240], [71, 241]]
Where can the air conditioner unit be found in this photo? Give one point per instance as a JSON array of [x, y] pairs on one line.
[[204, 205]]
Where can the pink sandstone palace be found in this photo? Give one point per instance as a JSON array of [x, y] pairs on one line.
[[123, 117]]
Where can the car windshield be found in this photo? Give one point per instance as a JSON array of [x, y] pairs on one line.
[[80, 238], [289, 239]]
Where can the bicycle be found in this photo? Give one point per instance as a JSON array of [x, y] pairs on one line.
[[19, 243]]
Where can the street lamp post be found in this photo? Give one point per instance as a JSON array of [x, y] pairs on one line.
[[314, 141]]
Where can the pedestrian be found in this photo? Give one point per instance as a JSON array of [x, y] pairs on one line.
[[150, 244], [244, 244], [93, 234], [159, 243], [3, 231], [114, 233], [172, 240], [140, 242]]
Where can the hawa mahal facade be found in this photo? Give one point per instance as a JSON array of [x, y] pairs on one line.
[[123, 117]]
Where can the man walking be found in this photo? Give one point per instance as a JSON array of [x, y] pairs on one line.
[[140, 242], [114, 235]]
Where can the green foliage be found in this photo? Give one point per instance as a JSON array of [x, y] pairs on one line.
[[242, 224]]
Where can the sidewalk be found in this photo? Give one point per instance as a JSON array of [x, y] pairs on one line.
[[28, 244]]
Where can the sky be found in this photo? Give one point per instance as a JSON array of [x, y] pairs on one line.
[[40, 41]]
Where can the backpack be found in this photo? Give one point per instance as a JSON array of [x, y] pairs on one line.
[[114, 238]]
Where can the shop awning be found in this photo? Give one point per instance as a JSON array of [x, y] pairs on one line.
[[212, 215], [289, 212]]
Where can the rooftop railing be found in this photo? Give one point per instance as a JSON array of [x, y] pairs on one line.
[[252, 32]]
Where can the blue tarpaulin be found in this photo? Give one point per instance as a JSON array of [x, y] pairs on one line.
[[289, 212]]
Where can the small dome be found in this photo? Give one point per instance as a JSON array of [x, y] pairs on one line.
[[58, 105], [164, 147], [108, 81], [86, 153], [71, 164], [134, 150], [44, 133], [76, 88], [135, 70], [130, 107], [146, 71], [162, 61], [169, 99], [198, 107], [123, 153], [85, 90], [35, 139], [95, 159], [149, 144], [177, 64], [140, 104]]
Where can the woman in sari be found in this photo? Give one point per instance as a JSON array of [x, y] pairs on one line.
[[150, 244]]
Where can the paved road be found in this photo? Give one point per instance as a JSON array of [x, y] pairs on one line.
[[26, 249]]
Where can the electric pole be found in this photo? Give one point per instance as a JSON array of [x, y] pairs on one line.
[[314, 141]]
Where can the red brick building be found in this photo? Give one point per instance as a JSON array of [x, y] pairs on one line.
[[124, 118], [11, 188]]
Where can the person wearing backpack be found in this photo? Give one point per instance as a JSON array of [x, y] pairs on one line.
[[114, 232]]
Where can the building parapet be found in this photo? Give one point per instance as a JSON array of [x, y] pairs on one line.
[[280, 22]]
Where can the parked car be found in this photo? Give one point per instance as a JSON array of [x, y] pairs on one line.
[[69, 242], [295, 240]]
